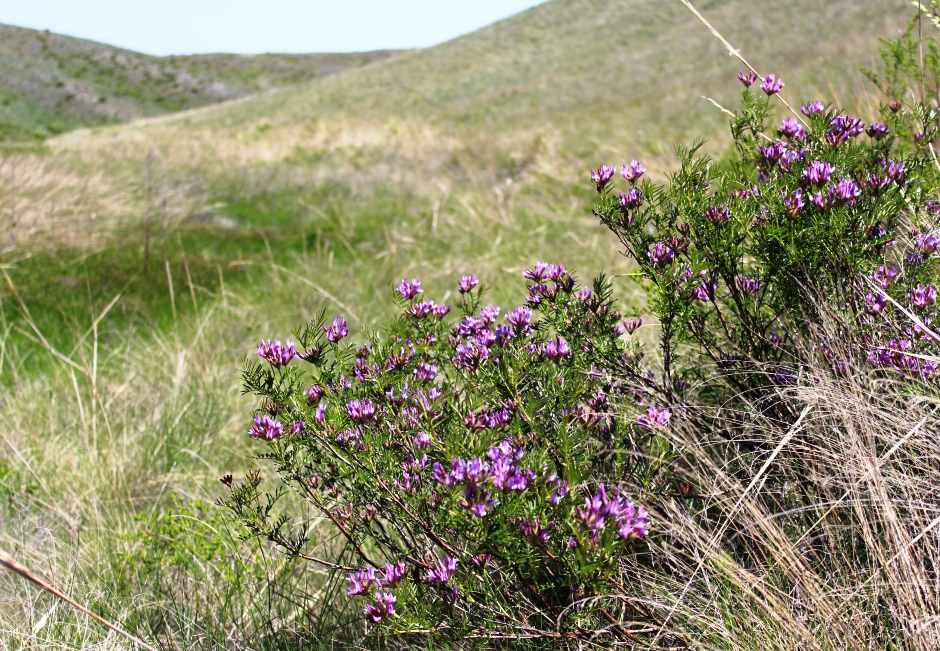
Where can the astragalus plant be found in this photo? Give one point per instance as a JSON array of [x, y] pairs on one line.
[[766, 477]]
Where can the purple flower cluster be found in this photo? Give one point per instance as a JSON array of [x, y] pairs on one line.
[[631, 521], [747, 78], [445, 570], [383, 608], [467, 283], [266, 428], [631, 199], [846, 191], [337, 331], [602, 176], [662, 254], [771, 85], [875, 303], [502, 472], [634, 171], [896, 354], [360, 411], [790, 128], [409, 288], [818, 172], [794, 203], [841, 128], [812, 108], [877, 131], [718, 214], [654, 418], [747, 285], [276, 354], [923, 296]]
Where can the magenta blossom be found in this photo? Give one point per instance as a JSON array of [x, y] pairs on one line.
[[445, 570], [771, 85], [812, 108], [266, 428], [602, 176], [337, 331], [747, 78], [923, 295], [467, 283], [383, 608], [409, 288], [654, 418], [275, 353], [634, 171]]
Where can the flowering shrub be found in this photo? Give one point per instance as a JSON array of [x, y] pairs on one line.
[[822, 218], [489, 471], [481, 467]]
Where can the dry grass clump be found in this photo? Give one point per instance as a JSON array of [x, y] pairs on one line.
[[817, 530]]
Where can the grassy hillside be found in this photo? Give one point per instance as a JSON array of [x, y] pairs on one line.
[[51, 83], [142, 261]]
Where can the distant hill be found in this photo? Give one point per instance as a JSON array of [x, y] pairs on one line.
[[51, 83]]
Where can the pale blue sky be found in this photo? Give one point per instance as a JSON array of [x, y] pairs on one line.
[[251, 26]]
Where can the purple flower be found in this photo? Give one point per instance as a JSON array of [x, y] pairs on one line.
[[537, 272], [314, 394], [875, 303], [421, 309], [422, 439], [360, 411], [630, 199], [747, 285], [405, 484], [337, 331], [477, 501], [409, 288], [633, 522], [276, 354], [601, 176], [383, 608], [441, 311], [393, 574], [718, 214], [654, 417], [884, 275], [922, 296], [297, 427], [877, 130], [771, 85], [425, 371], [632, 325], [894, 170], [773, 152], [445, 570], [467, 283], [747, 78], [818, 201], [361, 581], [845, 191], [320, 415], [791, 129], [634, 171], [520, 319], [794, 203], [556, 349], [662, 254], [818, 172], [704, 292], [266, 428], [812, 108], [926, 244]]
